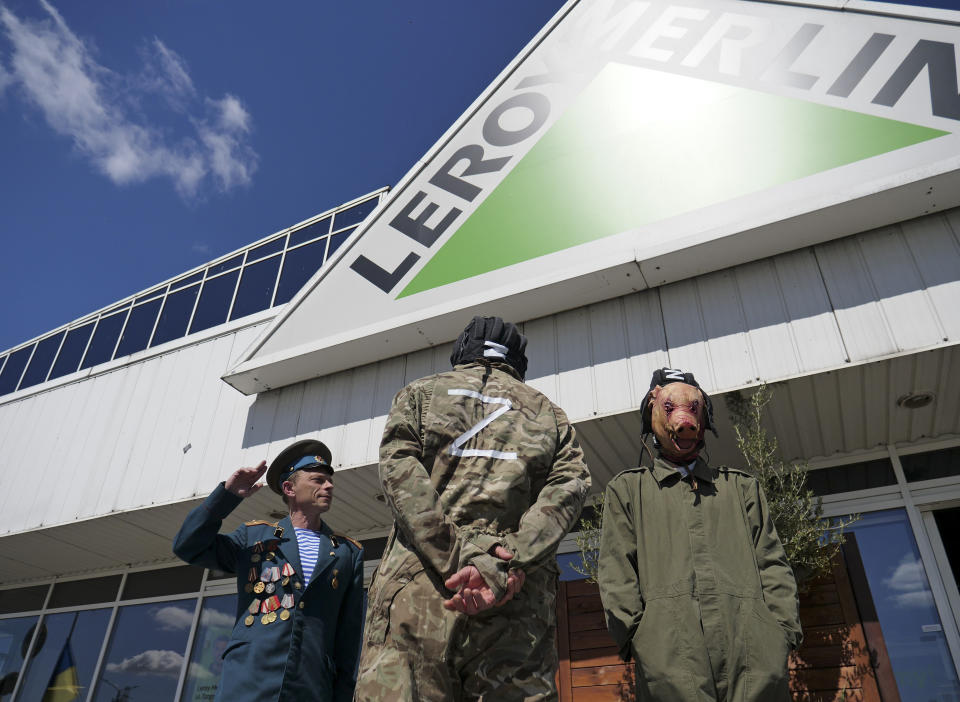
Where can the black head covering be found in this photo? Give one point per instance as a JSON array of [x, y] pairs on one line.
[[665, 376], [491, 339]]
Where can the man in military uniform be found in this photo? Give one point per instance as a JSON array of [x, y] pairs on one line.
[[300, 586], [694, 580], [484, 477]]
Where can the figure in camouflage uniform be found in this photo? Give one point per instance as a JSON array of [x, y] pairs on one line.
[[694, 580], [473, 462]]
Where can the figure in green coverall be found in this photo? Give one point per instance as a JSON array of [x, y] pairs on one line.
[[695, 583], [484, 477]]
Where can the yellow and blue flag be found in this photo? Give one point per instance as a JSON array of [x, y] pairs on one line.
[[64, 685]]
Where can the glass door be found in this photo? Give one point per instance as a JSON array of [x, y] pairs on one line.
[[899, 597], [942, 524]]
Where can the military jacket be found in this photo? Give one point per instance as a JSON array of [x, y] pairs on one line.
[[472, 458], [311, 652], [695, 584]]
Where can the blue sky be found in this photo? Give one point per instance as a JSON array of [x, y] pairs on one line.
[[138, 140]]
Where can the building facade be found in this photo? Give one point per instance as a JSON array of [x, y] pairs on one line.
[[751, 191]]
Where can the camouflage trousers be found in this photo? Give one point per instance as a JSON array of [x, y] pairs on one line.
[[415, 650]]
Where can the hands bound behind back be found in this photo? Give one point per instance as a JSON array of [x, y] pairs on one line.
[[474, 595]]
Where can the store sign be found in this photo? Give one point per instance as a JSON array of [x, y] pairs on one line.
[[635, 130]]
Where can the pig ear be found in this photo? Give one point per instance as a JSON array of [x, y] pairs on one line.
[[646, 409]]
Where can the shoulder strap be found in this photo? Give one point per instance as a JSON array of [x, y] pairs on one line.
[[347, 538]]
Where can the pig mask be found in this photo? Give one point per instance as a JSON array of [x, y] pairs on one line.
[[678, 413]]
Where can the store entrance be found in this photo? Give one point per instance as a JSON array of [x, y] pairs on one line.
[[948, 524]]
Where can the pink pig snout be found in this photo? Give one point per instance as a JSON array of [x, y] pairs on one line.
[[684, 425]]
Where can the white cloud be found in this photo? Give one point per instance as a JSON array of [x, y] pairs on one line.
[[5, 79], [172, 618], [212, 617], [233, 116], [150, 662], [909, 580], [167, 73], [198, 672], [918, 598], [231, 162], [84, 101], [200, 247]]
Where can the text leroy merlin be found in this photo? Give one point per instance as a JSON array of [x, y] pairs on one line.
[[873, 68], [415, 216]]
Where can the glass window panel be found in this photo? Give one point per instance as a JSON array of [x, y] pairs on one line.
[[72, 351], [214, 302], [311, 231], [298, 268], [15, 635], [930, 465], [233, 262], [948, 522], [904, 605], [270, 247], [175, 316], [857, 476], [104, 339], [146, 652], [256, 287], [355, 214], [215, 574], [3, 360], [71, 593], [567, 561], [373, 548], [22, 599], [139, 327], [338, 239], [183, 282], [16, 362], [150, 295], [41, 361], [71, 640], [213, 634], [164, 581]]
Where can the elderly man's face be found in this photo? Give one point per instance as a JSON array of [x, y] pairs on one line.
[[678, 420], [309, 491]]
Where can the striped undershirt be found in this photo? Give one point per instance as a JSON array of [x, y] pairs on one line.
[[308, 541]]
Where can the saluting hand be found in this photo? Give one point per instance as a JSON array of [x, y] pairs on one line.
[[243, 482]]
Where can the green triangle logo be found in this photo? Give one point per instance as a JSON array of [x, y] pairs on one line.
[[639, 146]]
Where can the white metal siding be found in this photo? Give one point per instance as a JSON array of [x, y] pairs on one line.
[[166, 429]]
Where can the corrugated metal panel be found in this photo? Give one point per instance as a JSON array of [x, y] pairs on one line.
[[834, 413], [166, 429], [116, 441], [646, 343], [935, 250], [827, 415]]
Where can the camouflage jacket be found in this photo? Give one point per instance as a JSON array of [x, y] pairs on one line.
[[473, 458]]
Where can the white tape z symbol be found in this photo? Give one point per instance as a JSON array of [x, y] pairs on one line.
[[455, 447]]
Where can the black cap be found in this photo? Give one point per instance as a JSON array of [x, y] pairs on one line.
[[290, 460], [665, 376], [491, 339]]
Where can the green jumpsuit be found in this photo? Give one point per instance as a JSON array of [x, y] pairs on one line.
[[696, 585]]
